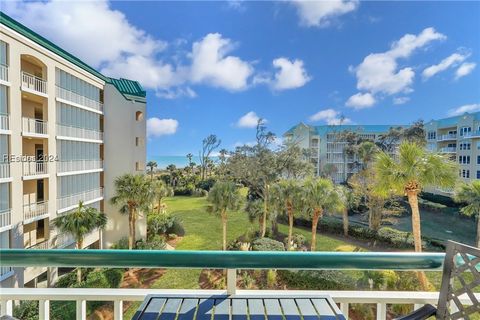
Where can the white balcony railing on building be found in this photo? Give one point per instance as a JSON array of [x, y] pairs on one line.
[[75, 132], [445, 137], [78, 99], [73, 199], [5, 218], [33, 168], [34, 210], [448, 149], [4, 169], [4, 122], [33, 83], [79, 165], [3, 72], [34, 126], [45, 244], [64, 240], [471, 134], [4, 271]]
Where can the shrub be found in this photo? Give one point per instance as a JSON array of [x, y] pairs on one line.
[[26, 310], [200, 193], [96, 279], [447, 201], [298, 240], [160, 224], [67, 280], [121, 244], [206, 185], [398, 239], [433, 206], [153, 243], [114, 277], [183, 191], [271, 278], [317, 280], [267, 244], [379, 280]]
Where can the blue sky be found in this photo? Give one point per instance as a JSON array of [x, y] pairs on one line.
[[213, 67]]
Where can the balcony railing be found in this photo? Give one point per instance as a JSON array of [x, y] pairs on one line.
[[4, 169], [230, 260], [445, 137], [64, 240], [75, 132], [35, 210], [448, 149], [34, 126], [78, 99], [5, 218], [33, 83], [79, 165], [73, 199], [3, 72], [34, 168], [471, 134], [4, 122], [44, 245]]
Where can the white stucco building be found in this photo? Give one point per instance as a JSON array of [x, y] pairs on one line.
[[66, 132]]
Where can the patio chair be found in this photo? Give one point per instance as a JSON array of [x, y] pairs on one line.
[[461, 276]]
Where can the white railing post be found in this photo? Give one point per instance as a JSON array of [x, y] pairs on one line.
[[6, 307], [231, 281], [344, 308], [44, 309], [417, 306], [118, 310], [381, 311], [81, 309]]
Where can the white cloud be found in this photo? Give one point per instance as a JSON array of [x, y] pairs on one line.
[[330, 116], [379, 73], [321, 13], [400, 100], [160, 127], [361, 101], [211, 65], [464, 69], [450, 61], [248, 120], [474, 107], [290, 74]]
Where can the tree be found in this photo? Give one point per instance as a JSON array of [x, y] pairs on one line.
[[151, 165], [319, 196], [287, 194], [209, 144], [408, 173], [133, 193], [160, 191], [224, 197], [79, 223], [254, 209], [349, 200], [366, 152], [293, 162], [470, 195]]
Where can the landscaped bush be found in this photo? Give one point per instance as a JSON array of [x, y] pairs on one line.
[[160, 224], [396, 238], [432, 206], [317, 280], [183, 191], [267, 244], [437, 198], [200, 193], [298, 240], [67, 280], [206, 184], [26, 310], [114, 277], [153, 243], [122, 244]]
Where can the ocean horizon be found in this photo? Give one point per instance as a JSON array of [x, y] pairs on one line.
[[178, 161]]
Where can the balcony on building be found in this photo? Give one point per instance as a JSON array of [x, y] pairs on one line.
[[5, 219], [36, 234], [35, 160], [5, 175], [79, 166], [82, 134], [4, 73], [73, 98], [70, 202], [33, 76], [4, 123], [35, 200], [34, 116], [472, 134], [448, 150], [447, 137]]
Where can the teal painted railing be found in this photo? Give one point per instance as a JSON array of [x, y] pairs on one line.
[[222, 259]]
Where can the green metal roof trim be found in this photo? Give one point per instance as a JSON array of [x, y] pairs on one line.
[[128, 88]]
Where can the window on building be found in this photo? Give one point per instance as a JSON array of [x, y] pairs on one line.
[[478, 174], [465, 130], [139, 115], [478, 159], [139, 142], [464, 159], [432, 135], [465, 146], [465, 173]]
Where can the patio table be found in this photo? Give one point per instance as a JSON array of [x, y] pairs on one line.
[[238, 307]]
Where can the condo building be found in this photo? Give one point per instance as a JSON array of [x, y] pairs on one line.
[[326, 146], [66, 132], [458, 137]]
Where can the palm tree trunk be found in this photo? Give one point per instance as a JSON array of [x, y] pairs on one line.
[[79, 270], [159, 204], [345, 223], [224, 225], [134, 223], [417, 235], [290, 227], [316, 216], [130, 233], [265, 210], [477, 240]]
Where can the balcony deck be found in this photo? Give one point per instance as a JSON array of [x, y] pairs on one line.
[[230, 260]]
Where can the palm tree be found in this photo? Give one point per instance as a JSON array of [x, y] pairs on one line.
[[224, 196], [254, 209], [366, 152], [287, 196], [407, 173], [161, 191], [320, 196], [133, 193], [470, 194], [349, 201], [152, 165], [79, 223]]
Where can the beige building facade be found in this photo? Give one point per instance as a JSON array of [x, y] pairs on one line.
[[66, 132]]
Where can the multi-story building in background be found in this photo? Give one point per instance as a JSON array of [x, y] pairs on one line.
[[326, 146], [458, 137], [66, 132]]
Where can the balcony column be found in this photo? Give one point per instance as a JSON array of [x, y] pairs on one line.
[[44, 309], [81, 309], [118, 310], [231, 281], [381, 311], [6, 307], [344, 308]]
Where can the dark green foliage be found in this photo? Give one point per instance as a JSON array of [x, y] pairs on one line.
[[26, 310], [96, 279], [298, 240], [267, 244], [200, 193], [184, 191], [437, 198], [114, 277], [160, 224], [121, 244], [317, 280], [206, 184], [153, 243], [67, 280], [398, 239]]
